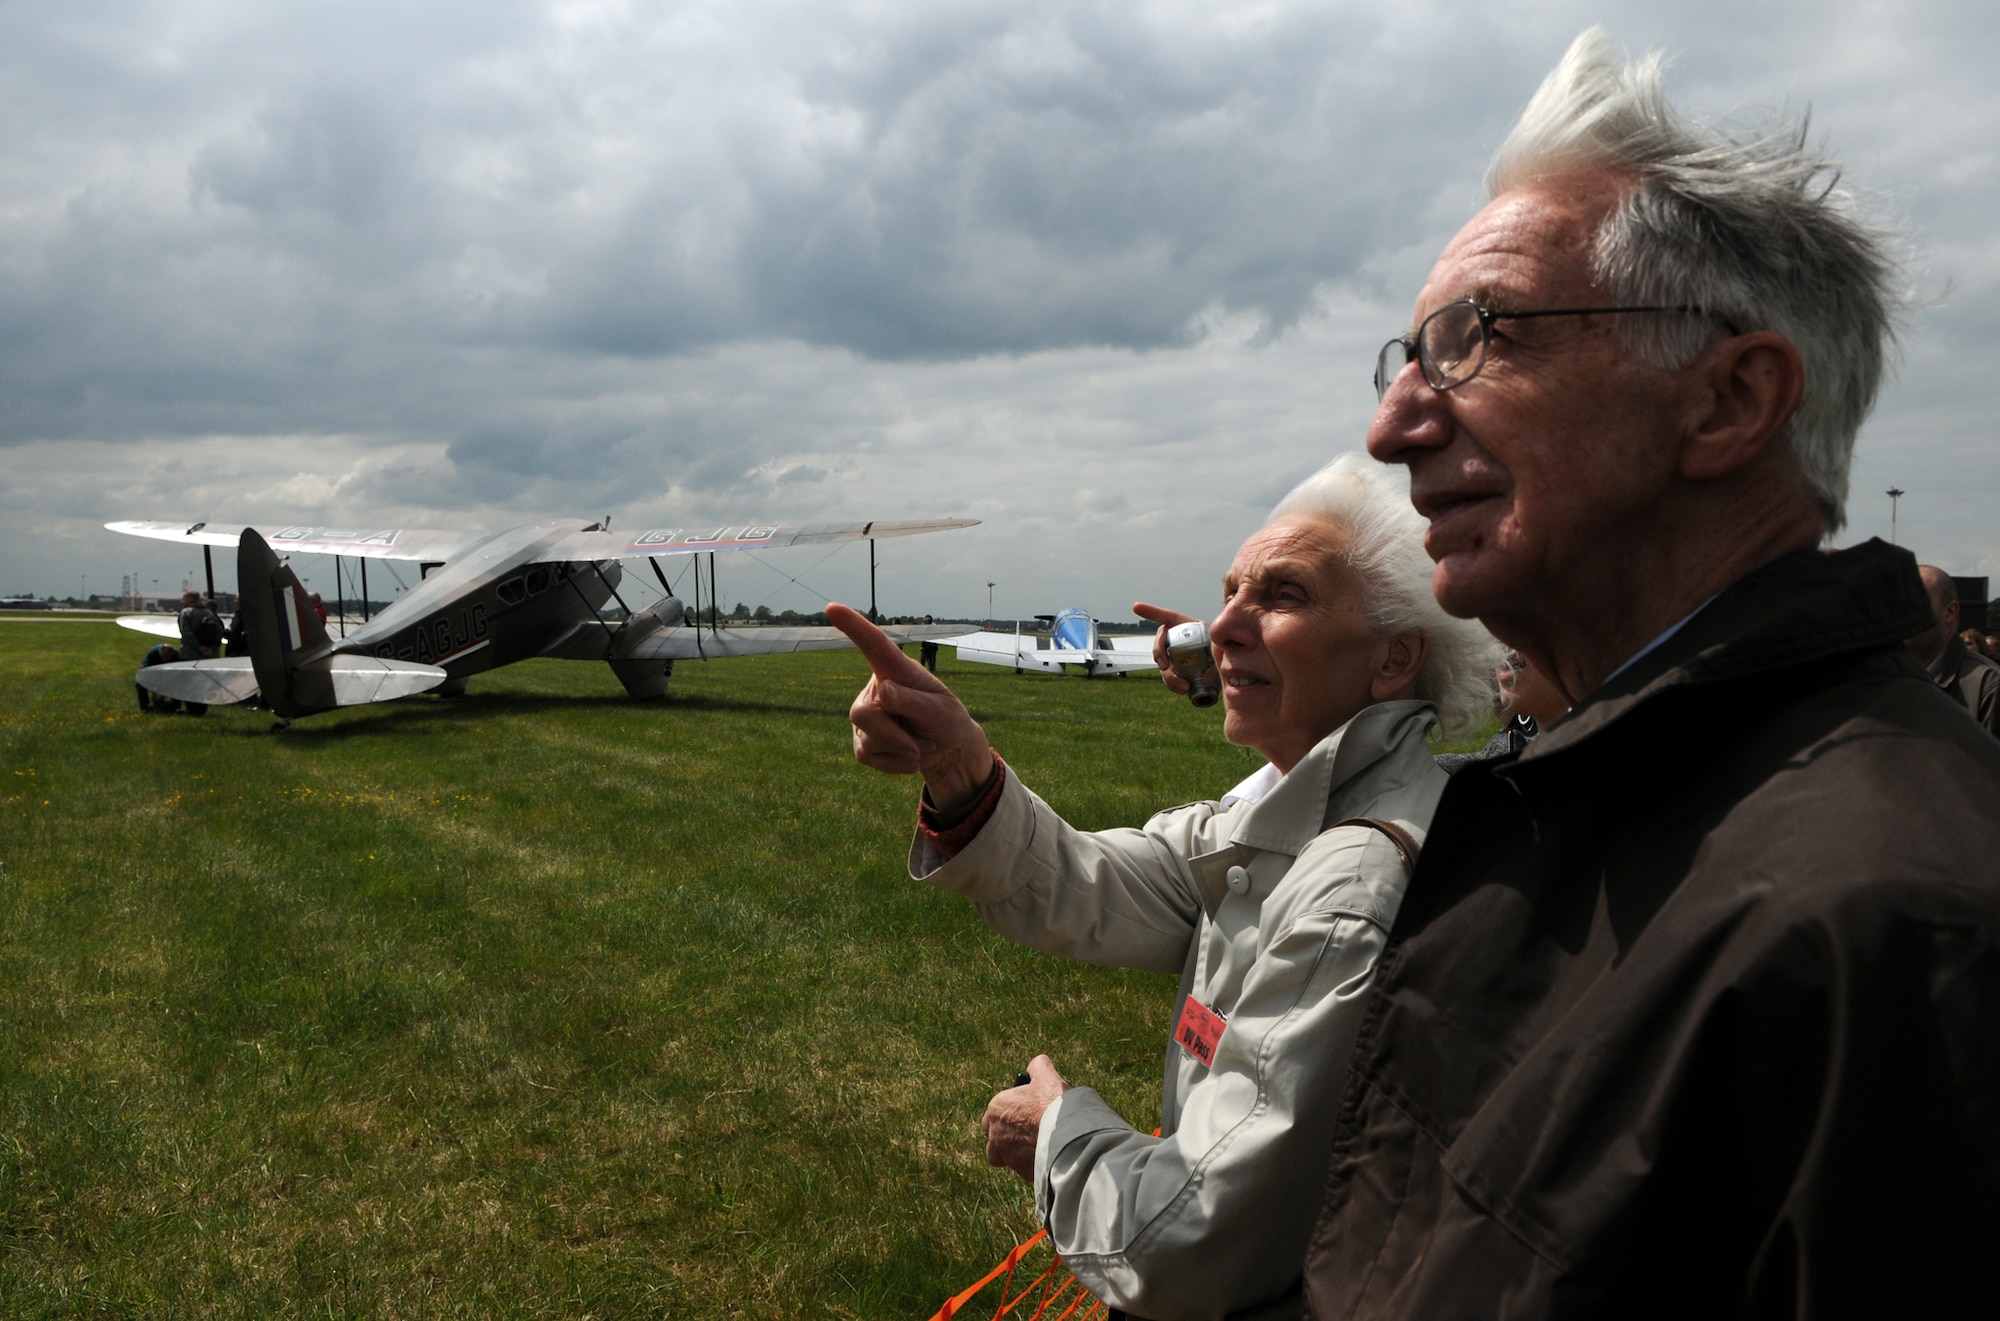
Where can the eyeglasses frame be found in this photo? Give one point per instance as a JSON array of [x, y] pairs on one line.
[[1413, 350]]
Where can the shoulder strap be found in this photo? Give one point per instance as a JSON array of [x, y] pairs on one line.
[[1401, 838]]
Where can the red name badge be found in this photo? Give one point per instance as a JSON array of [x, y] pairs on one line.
[[1200, 1030]]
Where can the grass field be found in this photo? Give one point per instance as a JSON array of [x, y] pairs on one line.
[[537, 1003]]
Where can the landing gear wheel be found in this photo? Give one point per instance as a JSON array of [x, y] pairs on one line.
[[280, 726]]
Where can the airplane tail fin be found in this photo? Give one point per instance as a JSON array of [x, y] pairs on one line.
[[298, 672], [278, 621]]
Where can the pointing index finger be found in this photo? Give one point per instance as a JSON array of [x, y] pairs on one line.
[[878, 648], [1159, 614]]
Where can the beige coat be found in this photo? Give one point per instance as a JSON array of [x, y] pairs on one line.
[[1213, 1216]]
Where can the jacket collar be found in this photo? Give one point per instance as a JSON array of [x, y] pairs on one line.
[[1807, 606], [1387, 737], [1949, 662]]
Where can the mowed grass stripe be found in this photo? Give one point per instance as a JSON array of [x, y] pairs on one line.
[[539, 1003]]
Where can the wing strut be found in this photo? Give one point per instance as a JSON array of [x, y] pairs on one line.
[[714, 600], [364, 589], [208, 562], [697, 609], [873, 617], [669, 589], [340, 596], [613, 590]]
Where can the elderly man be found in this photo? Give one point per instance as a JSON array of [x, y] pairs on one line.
[[1691, 1007], [1953, 666]]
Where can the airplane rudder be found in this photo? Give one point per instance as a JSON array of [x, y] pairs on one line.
[[278, 616]]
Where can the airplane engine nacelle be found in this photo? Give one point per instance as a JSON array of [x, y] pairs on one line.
[[644, 680], [661, 615]]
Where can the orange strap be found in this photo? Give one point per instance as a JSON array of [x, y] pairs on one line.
[[1054, 1290], [1006, 1267]]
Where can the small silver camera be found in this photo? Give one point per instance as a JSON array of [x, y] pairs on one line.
[[1188, 652]]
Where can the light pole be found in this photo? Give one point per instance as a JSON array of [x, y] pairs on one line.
[[989, 607], [1895, 494]]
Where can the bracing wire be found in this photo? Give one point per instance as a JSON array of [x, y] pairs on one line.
[[796, 582]]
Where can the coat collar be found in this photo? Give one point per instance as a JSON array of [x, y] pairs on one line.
[[1387, 737], [1949, 662], [1807, 606]]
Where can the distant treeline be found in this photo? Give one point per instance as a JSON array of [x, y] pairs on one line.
[[763, 614]]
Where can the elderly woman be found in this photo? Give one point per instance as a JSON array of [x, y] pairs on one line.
[[1272, 905]]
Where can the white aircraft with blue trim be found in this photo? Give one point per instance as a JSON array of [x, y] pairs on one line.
[[485, 600], [1071, 639]]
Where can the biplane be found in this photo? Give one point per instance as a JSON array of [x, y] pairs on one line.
[[483, 601]]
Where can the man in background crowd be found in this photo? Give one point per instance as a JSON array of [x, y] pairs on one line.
[[1690, 1006], [201, 636], [1962, 672], [160, 653]]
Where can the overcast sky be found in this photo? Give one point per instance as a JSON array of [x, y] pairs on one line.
[[1108, 276]]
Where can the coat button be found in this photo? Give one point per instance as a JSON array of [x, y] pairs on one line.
[[1238, 880]]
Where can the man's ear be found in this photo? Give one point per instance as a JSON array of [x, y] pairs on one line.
[[1741, 395], [1399, 662]]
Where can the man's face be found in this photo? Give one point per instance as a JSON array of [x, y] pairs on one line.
[[1927, 645], [1537, 473]]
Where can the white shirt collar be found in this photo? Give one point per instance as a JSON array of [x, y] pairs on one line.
[[1255, 785]]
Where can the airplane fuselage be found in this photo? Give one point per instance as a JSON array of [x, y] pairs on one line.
[[1074, 628], [499, 602]]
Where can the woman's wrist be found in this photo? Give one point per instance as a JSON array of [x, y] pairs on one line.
[[957, 787]]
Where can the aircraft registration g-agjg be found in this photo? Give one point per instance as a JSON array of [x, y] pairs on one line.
[[1072, 639], [485, 600]]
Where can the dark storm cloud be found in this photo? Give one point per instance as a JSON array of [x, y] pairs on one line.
[[269, 226]]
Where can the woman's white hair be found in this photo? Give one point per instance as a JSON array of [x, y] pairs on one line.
[[1754, 229], [1384, 540]]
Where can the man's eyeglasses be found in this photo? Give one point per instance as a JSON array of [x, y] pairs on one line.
[[1450, 345]]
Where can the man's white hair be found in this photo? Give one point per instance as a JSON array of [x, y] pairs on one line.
[[1755, 229], [1384, 546]]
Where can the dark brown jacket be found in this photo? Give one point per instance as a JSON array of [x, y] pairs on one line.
[[1693, 1008]]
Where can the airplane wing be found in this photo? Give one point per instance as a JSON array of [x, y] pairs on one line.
[[1018, 651], [1021, 652], [1123, 661], [684, 540], [403, 543], [393, 543], [597, 641], [1124, 653], [160, 626]]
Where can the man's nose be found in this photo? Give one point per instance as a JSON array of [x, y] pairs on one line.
[[1412, 416]]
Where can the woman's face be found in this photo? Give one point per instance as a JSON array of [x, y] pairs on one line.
[[1297, 654]]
